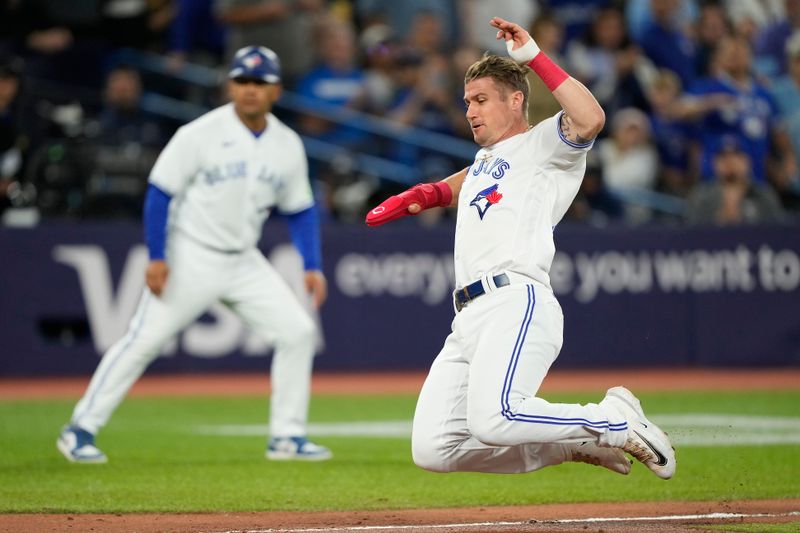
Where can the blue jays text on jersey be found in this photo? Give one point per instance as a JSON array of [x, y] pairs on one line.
[[496, 169]]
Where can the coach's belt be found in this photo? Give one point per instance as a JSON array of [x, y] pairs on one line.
[[465, 295]]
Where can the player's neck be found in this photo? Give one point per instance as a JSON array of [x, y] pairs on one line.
[[256, 124], [517, 128]]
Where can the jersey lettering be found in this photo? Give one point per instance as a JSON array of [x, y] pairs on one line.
[[270, 178], [236, 169], [496, 169], [232, 170]]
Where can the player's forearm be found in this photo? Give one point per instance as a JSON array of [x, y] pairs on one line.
[[156, 209], [455, 182], [586, 115], [581, 106], [304, 231], [417, 199]]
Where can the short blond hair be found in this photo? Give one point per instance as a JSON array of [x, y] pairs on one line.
[[505, 72]]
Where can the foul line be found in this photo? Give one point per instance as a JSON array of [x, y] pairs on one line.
[[709, 516]]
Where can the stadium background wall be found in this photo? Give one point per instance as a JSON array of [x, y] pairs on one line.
[[644, 297]]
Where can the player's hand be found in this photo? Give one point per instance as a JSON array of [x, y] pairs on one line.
[[521, 46], [317, 286], [411, 202], [156, 276]]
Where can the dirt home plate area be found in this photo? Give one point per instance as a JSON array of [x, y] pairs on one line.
[[585, 517]]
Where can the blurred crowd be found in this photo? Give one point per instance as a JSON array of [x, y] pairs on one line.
[[702, 98]]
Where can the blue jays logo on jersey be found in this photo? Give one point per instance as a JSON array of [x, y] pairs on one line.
[[486, 199]]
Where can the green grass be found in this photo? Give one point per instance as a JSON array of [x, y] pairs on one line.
[[159, 463]]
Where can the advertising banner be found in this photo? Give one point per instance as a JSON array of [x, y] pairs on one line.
[[645, 297]]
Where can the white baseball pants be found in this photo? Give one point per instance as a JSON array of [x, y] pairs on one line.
[[198, 277], [478, 410]]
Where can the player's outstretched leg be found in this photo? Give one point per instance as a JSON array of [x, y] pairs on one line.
[[589, 452], [267, 305], [646, 441]]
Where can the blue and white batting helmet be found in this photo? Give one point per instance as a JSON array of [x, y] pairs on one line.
[[256, 62]]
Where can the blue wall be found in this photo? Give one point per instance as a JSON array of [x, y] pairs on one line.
[[631, 297]]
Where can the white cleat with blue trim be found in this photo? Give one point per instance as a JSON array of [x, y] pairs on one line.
[[296, 449], [77, 445], [647, 443]]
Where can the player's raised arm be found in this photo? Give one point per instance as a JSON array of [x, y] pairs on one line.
[[418, 198], [584, 116]]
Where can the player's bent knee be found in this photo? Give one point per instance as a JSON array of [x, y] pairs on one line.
[[427, 455], [488, 427], [302, 331], [431, 459]]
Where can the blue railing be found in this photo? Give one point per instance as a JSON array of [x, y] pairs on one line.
[[383, 168], [387, 169]]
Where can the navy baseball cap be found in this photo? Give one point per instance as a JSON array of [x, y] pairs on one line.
[[256, 62]]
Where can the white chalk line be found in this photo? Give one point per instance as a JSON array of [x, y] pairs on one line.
[[695, 429], [596, 520]]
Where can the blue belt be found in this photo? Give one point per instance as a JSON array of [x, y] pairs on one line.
[[466, 294]]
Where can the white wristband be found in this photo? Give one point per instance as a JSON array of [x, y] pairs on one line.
[[524, 53]]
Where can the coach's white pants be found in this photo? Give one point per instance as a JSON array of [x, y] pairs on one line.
[[478, 409], [198, 277]]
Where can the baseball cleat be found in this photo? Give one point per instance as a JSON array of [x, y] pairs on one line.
[[77, 445], [647, 443], [296, 449], [588, 452]]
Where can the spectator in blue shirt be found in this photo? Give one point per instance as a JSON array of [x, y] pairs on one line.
[[786, 91], [749, 114], [575, 16], [666, 44], [770, 46], [671, 133], [639, 15], [712, 25], [337, 80], [195, 33], [400, 14]]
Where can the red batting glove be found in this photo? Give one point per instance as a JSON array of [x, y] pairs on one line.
[[426, 195]]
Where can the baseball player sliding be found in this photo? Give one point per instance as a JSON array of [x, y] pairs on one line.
[[478, 409], [210, 191]]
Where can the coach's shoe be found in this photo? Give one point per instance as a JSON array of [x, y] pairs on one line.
[[588, 452], [77, 445], [646, 441], [296, 449]]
